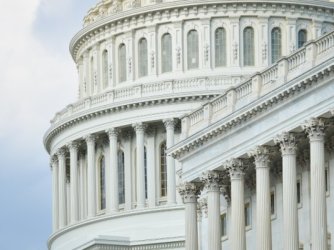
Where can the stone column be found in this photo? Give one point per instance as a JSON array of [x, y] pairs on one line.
[[236, 170], [73, 147], [263, 213], [151, 176], [189, 193], [212, 181], [83, 203], [91, 176], [140, 165], [315, 130], [290, 210], [113, 178], [171, 175], [55, 209], [62, 188], [127, 170]]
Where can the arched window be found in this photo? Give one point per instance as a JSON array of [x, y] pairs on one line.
[[192, 49], [102, 183], [92, 74], [105, 68], [302, 38], [166, 53], [276, 44], [122, 63], [163, 170], [220, 47], [142, 57], [121, 178], [248, 42]]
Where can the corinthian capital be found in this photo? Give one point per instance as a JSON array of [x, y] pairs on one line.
[[139, 127], [236, 168], [53, 161], [112, 132], [212, 180], [73, 145], [189, 191], [287, 143], [315, 128], [261, 155], [61, 153], [90, 139], [170, 123]]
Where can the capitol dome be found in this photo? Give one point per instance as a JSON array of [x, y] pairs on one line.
[[155, 76]]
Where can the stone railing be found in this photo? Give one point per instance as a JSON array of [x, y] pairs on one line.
[[200, 85], [286, 69]]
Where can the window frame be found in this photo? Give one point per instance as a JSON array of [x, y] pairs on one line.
[[278, 44], [170, 53], [223, 45], [299, 45], [142, 62], [122, 66], [251, 62], [192, 50]]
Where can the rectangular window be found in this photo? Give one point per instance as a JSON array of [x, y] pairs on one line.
[[272, 203], [223, 225], [327, 183], [247, 214], [299, 198]]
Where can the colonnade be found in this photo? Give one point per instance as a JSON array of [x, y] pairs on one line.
[[84, 204], [260, 155]]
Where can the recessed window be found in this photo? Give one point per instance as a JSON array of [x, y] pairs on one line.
[[102, 183], [122, 63], [302, 38], [192, 49], [299, 195], [248, 42], [166, 53], [121, 178], [327, 179], [272, 203], [105, 68], [145, 167], [142, 57], [276, 44], [220, 47], [223, 225], [163, 170], [248, 215]]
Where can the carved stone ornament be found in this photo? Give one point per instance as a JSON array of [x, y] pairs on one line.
[[189, 191], [203, 205], [54, 161], [73, 146], [287, 143], [235, 50], [212, 180], [113, 132], [236, 168], [315, 128], [261, 155], [264, 51], [152, 59], [139, 127], [170, 123], [61, 153], [178, 55]]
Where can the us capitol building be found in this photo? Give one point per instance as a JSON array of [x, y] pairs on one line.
[[199, 125]]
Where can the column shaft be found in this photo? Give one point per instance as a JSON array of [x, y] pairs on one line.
[[55, 209], [151, 180], [91, 177], [113, 133], [128, 172], [62, 189], [171, 176], [74, 182], [140, 128]]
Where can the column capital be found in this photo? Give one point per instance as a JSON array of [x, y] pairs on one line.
[[170, 123], [212, 180], [287, 143], [113, 132], [53, 161], [73, 145], [236, 168], [61, 153], [261, 154], [139, 127], [189, 191], [151, 131], [315, 129], [90, 138], [203, 205]]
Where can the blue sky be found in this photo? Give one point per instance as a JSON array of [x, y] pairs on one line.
[[37, 79]]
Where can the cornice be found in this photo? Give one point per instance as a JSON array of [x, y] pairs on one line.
[[176, 8], [252, 110], [107, 109]]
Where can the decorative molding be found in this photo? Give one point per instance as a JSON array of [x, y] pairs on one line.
[[139, 127], [261, 155], [212, 180], [170, 123], [236, 168], [113, 132], [287, 143], [90, 139], [314, 128], [156, 246], [189, 191]]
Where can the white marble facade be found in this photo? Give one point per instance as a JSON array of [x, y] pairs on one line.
[[199, 125]]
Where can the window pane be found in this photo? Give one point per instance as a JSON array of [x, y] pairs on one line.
[[145, 167], [163, 169], [220, 47], [143, 58], [192, 51], [102, 184], [247, 215], [122, 63], [224, 224], [121, 178], [105, 68], [276, 44], [302, 38], [248, 46], [272, 203], [166, 53], [298, 192]]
